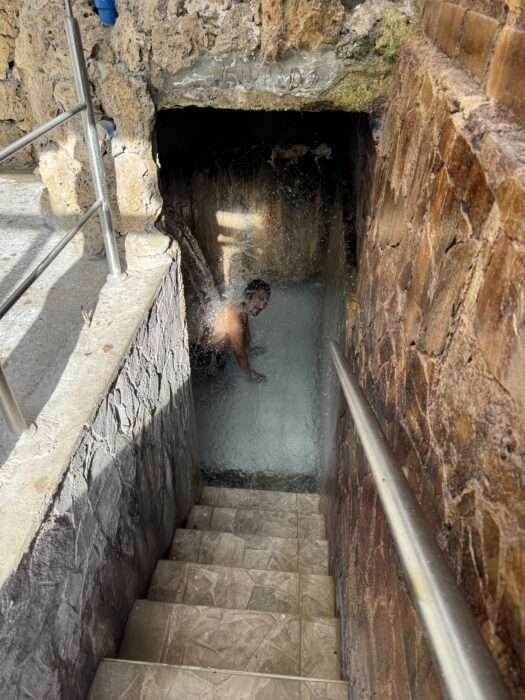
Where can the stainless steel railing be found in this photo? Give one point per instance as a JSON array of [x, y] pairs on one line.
[[464, 664], [8, 403]]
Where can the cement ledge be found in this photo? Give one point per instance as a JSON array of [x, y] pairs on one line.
[[35, 469]]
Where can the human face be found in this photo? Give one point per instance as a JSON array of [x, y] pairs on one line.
[[259, 302]]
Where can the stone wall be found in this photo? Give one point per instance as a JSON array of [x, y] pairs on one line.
[[487, 37], [438, 346], [253, 54], [130, 482]]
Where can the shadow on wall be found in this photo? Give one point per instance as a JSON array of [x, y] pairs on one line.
[[38, 361], [129, 484]]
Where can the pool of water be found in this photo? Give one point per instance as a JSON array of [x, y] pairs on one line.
[[267, 435]]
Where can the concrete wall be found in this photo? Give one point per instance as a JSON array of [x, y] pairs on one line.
[[130, 481], [438, 346]]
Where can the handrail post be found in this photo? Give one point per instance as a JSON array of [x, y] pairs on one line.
[[10, 408], [97, 169]]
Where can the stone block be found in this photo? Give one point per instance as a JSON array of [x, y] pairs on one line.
[[507, 68], [145, 244], [449, 26], [431, 14], [476, 42], [139, 202], [176, 42], [500, 314], [510, 197], [238, 33]]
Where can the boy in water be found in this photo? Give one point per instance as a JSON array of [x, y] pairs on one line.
[[229, 327]]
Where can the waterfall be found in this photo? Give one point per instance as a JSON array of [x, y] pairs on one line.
[[200, 290]]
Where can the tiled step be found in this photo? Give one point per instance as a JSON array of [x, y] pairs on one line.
[[240, 640], [251, 551], [268, 523], [243, 589], [144, 681], [260, 500]]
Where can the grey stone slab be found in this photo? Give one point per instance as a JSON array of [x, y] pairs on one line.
[[250, 499], [313, 556], [226, 587], [214, 637], [227, 549], [121, 680], [199, 518], [320, 648], [316, 595], [308, 503], [269, 523], [186, 545], [311, 526], [319, 690]]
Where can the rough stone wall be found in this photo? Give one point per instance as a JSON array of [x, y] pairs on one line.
[[15, 115], [438, 346], [487, 37], [130, 482], [271, 54]]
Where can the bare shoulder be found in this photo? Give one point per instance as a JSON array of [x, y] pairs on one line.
[[228, 320]]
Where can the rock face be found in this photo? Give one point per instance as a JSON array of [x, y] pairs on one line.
[[438, 346], [274, 54], [130, 482]]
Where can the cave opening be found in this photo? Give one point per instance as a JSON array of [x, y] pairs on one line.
[[271, 196]]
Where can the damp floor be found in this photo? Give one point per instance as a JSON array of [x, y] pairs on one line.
[[267, 433]]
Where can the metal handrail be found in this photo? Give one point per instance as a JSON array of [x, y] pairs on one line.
[[8, 403], [464, 664], [43, 264], [40, 131]]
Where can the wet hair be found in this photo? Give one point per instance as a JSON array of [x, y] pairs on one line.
[[253, 287]]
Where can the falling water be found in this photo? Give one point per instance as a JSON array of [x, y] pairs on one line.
[[201, 292]]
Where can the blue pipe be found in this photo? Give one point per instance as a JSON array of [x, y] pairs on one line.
[[107, 11]]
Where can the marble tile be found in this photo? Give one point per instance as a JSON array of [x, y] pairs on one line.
[[318, 690], [269, 523], [308, 503], [186, 545], [222, 548], [199, 518], [275, 591], [316, 595], [320, 648], [249, 551], [225, 587], [270, 553], [248, 498], [313, 556], [118, 680], [169, 581], [213, 637], [311, 526]]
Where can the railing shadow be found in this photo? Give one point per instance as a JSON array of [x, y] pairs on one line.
[[38, 361]]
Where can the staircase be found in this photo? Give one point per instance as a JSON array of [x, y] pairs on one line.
[[244, 608]]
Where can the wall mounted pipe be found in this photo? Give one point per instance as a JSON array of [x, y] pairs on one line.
[[464, 664], [107, 11]]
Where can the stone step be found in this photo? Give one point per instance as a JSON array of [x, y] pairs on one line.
[[268, 523], [260, 500], [243, 589], [132, 680], [251, 551], [242, 640]]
